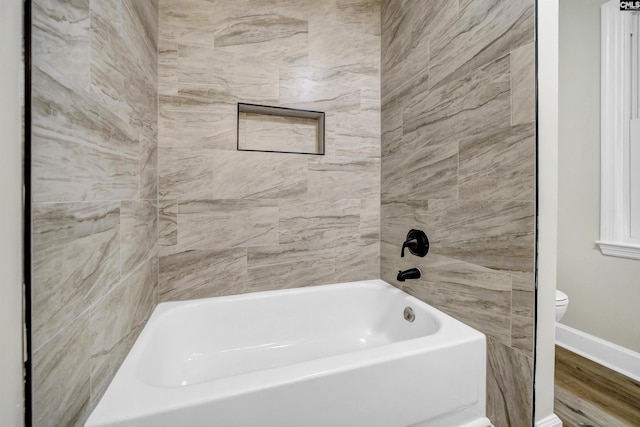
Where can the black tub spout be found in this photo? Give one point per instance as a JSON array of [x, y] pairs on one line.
[[412, 273]]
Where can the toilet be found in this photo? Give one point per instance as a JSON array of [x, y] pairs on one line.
[[562, 301]]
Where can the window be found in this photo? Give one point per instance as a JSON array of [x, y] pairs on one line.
[[620, 133]]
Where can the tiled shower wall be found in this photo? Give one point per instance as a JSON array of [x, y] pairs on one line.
[[458, 161], [94, 148], [231, 221]]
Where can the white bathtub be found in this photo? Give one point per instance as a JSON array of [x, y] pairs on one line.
[[335, 355]]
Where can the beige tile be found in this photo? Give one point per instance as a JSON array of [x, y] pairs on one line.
[[523, 301], [523, 84], [275, 37], [509, 386], [116, 321], [499, 165], [478, 296], [185, 173], [255, 175], [475, 103], [222, 224], [186, 123], [344, 178], [76, 260], [303, 221], [362, 16], [424, 173], [60, 38], [61, 377], [493, 234], [139, 233], [370, 220], [484, 32], [203, 274], [167, 226], [289, 266], [356, 259], [81, 151], [397, 218], [148, 166], [358, 135]]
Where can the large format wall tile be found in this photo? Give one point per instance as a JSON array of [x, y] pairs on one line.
[[458, 161], [76, 260], [94, 194], [238, 221]]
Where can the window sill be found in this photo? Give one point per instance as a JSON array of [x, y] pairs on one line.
[[619, 249]]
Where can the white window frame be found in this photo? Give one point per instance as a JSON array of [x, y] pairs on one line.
[[618, 107]]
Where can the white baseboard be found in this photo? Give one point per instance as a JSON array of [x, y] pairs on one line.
[[613, 356], [550, 421]]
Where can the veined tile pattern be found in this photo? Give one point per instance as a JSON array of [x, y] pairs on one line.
[[267, 220], [458, 161], [95, 210]]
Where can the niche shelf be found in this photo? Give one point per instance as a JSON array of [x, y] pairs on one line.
[[281, 130]]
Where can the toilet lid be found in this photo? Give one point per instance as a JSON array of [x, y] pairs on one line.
[[561, 297]]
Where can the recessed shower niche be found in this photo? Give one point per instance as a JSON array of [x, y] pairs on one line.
[[279, 129]]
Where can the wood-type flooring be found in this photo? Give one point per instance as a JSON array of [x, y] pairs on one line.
[[590, 395]]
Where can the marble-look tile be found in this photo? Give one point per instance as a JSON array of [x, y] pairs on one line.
[[167, 67], [139, 233], [429, 172], [523, 301], [362, 16], [523, 84], [358, 135], [485, 31], [81, 151], [509, 386], [167, 226], [187, 123], [255, 175], [61, 377], [397, 218], [289, 266], [225, 224], [140, 32], [185, 173], [407, 39], [302, 221], [356, 259], [262, 132], [225, 76], [370, 220], [60, 38], [189, 21], [344, 179], [202, 274], [148, 166], [499, 165], [478, 296], [323, 89], [274, 37], [116, 320], [493, 234], [475, 103], [76, 260], [340, 48]]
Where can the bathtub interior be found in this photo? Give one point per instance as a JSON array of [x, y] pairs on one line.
[[210, 339]]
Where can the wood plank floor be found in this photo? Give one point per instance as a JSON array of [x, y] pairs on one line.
[[588, 394]]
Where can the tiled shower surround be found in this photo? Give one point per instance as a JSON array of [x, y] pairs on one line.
[[458, 161], [429, 124], [94, 147], [233, 221]]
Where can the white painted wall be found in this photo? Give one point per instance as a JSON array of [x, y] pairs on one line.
[[604, 291], [11, 392], [547, 210]]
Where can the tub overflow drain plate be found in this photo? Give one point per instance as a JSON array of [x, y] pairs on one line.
[[409, 315]]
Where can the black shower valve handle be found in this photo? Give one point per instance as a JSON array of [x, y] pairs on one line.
[[417, 243]]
